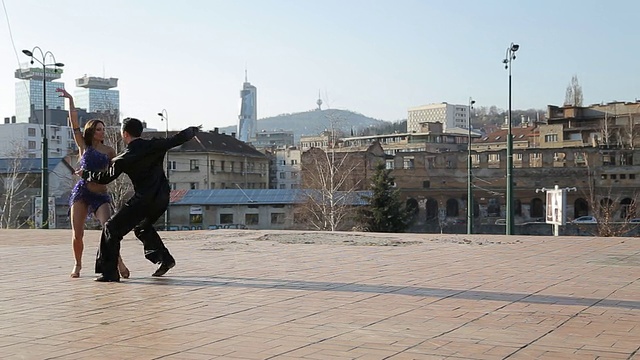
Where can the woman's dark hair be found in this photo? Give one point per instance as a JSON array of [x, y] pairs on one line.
[[132, 126], [89, 130]]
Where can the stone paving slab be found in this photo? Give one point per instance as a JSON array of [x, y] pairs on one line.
[[313, 295]]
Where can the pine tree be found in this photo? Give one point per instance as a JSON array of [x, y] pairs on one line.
[[385, 212]]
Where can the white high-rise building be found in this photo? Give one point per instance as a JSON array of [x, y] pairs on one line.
[[248, 119], [450, 115], [96, 94], [29, 91]]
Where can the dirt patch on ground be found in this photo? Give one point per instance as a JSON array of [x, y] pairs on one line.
[[335, 239]]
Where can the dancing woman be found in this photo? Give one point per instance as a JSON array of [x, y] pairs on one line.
[[89, 198]]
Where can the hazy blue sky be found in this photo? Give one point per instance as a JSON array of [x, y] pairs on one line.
[[375, 57]]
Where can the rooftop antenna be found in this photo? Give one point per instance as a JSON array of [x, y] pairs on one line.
[[319, 102]]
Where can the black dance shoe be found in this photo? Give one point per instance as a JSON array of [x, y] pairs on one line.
[[164, 267], [105, 278]]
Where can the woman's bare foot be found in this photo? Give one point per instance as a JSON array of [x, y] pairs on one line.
[[124, 272], [75, 273]]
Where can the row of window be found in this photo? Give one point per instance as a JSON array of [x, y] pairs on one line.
[[294, 175], [535, 160], [196, 186], [284, 162], [194, 165], [253, 219], [618, 176], [292, 186], [317, 144]]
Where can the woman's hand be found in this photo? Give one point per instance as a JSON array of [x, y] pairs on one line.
[[63, 93]]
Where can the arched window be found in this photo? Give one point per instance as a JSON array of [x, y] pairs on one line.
[[627, 209], [432, 209], [412, 206], [452, 207], [493, 207], [580, 208], [537, 208]]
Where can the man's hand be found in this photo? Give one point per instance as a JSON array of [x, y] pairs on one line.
[[81, 173], [194, 130]]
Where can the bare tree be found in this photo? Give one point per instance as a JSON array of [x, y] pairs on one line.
[[606, 131], [15, 197], [330, 180], [573, 95], [329, 188], [610, 206], [632, 131]]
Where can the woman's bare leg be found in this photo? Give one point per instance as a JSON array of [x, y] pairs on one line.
[[78, 217], [103, 213]]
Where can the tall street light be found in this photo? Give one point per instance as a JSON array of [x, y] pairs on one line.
[[44, 192], [165, 117], [470, 205], [509, 57]]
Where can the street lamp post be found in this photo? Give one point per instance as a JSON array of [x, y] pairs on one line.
[[165, 117], [469, 174], [44, 192], [509, 57]]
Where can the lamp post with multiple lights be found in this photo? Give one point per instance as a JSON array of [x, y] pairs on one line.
[[165, 117], [469, 174], [44, 192], [509, 57]]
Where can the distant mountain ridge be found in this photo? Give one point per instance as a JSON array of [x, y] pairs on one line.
[[313, 122]]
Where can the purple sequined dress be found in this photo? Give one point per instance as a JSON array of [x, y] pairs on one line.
[[92, 160]]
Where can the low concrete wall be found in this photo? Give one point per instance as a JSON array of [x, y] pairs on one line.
[[541, 229]]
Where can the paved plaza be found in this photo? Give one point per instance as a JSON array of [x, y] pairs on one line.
[[311, 295]]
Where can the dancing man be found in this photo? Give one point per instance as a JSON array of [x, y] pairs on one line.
[[142, 161]]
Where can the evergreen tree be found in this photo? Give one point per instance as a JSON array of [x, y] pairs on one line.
[[385, 212]]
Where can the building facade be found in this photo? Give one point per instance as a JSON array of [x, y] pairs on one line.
[[96, 94], [252, 208], [285, 170], [431, 138], [20, 185], [325, 140], [450, 115], [215, 161], [437, 183], [29, 91], [269, 139], [343, 169], [25, 140]]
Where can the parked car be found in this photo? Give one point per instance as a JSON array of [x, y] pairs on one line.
[[214, 227], [585, 220], [634, 221], [501, 222]]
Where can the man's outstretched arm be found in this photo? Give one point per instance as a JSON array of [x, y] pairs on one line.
[[103, 177], [177, 139]]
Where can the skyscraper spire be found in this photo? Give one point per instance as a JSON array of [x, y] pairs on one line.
[[246, 78]]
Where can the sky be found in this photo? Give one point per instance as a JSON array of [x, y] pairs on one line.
[[375, 57]]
